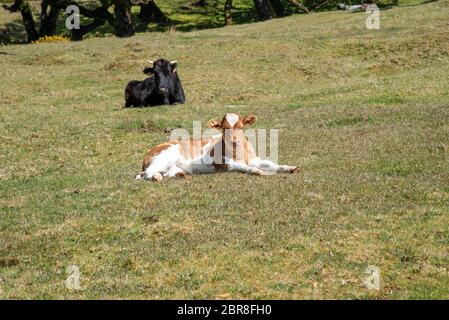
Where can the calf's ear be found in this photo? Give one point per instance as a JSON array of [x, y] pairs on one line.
[[148, 70], [249, 119], [214, 124]]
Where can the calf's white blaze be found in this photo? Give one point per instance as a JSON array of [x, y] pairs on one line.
[[232, 119]]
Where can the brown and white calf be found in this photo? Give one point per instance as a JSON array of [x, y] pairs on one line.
[[228, 151]]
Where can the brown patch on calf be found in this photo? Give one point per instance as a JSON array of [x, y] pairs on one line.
[[240, 153], [295, 170], [152, 153], [218, 159], [191, 149]]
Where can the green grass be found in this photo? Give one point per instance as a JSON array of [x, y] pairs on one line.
[[183, 16], [365, 114]]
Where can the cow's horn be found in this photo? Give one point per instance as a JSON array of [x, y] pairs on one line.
[[150, 61], [173, 62]]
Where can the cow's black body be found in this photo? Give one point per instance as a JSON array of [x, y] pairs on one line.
[[162, 88]]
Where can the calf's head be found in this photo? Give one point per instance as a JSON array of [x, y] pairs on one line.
[[163, 70], [232, 126]]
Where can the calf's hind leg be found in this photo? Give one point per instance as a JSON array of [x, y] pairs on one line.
[[154, 171], [157, 176], [270, 166]]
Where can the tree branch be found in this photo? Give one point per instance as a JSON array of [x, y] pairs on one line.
[[97, 13], [27, 16], [319, 5], [299, 6]]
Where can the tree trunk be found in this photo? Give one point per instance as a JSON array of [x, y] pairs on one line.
[[150, 12], [278, 7], [200, 3], [123, 23], [264, 9], [99, 14], [27, 16], [48, 19], [28, 21], [228, 12], [78, 34]]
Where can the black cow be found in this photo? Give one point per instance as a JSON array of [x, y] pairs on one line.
[[163, 87]]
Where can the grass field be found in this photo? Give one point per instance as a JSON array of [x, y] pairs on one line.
[[183, 16], [364, 113]]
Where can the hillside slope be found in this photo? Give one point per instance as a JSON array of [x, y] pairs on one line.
[[364, 113]]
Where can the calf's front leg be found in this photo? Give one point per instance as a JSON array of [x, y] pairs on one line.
[[242, 167]]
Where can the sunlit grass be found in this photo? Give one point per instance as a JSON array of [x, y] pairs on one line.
[[365, 114]]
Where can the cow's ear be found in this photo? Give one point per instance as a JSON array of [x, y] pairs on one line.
[[149, 70], [214, 124], [249, 119], [173, 64]]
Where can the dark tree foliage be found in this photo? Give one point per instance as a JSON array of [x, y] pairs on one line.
[[264, 9], [99, 15], [150, 12], [49, 16], [278, 7], [200, 3], [27, 16], [121, 18], [123, 22], [269, 9]]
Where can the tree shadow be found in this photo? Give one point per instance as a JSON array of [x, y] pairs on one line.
[[188, 18], [184, 17], [13, 33], [418, 4]]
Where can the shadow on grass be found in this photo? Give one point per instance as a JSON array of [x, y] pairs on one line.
[[418, 3], [187, 18], [12, 33], [184, 17]]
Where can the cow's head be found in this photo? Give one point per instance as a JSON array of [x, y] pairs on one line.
[[162, 70], [232, 126]]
